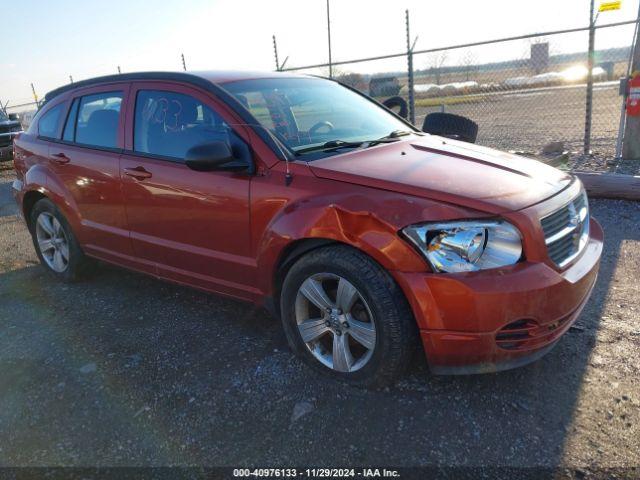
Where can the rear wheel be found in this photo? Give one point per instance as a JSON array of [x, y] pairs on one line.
[[55, 244], [346, 317]]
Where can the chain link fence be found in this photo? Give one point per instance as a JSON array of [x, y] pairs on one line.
[[25, 111], [527, 94]]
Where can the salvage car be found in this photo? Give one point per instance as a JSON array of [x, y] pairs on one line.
[[9, 127], [366, 236]]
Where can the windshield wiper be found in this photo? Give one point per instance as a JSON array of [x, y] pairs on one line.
[[393, 136], [338, 144], [329, 146]]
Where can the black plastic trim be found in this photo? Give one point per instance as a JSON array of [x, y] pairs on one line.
[[84, 145]]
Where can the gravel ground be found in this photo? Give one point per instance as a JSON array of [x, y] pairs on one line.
[[126, 370]]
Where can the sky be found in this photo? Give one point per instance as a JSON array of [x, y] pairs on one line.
[[50, 40]]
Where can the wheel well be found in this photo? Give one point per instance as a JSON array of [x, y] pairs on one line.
[[289, 256], [29, 200]]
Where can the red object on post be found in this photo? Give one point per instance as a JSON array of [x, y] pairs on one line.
[[633, 99]]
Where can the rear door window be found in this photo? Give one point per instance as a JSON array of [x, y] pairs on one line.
[[48, 124], [97, 119]]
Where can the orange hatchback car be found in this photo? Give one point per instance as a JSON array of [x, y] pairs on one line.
[[363, 234]]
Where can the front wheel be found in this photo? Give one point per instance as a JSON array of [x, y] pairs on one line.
[[345, 316]]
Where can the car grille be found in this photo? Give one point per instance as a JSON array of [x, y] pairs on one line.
[[566, 230]]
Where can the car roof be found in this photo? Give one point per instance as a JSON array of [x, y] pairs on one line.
[[227, 76], [212, 77]]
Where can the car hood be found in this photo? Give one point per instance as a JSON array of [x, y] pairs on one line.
[[447, 170]]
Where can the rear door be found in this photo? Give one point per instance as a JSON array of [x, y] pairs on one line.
[[86, 160], [193, 225]]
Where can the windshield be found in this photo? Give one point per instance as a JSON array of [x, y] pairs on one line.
[[3, 116], [308, 112]]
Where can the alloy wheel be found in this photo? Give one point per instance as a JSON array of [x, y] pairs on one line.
[[335, 322], [52, 242]]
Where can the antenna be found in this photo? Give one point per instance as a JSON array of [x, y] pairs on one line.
[[288, 176]]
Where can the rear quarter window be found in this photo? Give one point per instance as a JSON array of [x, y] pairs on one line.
[[48, 123]]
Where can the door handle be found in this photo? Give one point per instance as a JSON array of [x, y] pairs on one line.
[[60, 158], [138, 173]]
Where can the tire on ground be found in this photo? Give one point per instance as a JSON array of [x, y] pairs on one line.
[[396, 330], [79, 264], [397, 102], [452, 126]]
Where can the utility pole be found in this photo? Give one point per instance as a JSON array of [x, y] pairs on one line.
[[184, 65], [329, 38], [631, 139], [275, 52], [589, 107]]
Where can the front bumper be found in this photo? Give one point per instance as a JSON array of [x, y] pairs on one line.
[[459, 315]]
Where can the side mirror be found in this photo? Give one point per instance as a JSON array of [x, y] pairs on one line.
[[210, 156], [13, 116]]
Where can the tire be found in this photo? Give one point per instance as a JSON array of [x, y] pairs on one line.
[[379, 305], [77, 263], [452, 126], [395, 102]]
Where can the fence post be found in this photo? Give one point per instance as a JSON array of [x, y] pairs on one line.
[[275, 53], [631, 138], [410, 87], [329, 39], [589, 107], [35, 95]]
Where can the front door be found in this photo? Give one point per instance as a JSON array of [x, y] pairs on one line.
[[192, 225]]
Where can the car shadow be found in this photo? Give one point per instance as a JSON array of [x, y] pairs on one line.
[[124, 369]]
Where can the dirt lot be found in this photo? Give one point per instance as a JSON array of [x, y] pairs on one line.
[[127, 370]]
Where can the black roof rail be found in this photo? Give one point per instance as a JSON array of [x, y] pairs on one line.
[[128, 77]]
